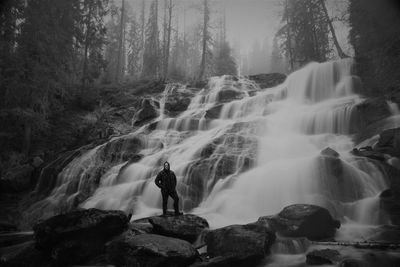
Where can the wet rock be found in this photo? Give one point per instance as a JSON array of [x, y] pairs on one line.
[[49, 173], [372, 110], [329, 152], [214, 112], [389, 142], [146, 113], [229, 154], [76, 236], [303, 220], [391, 205], [178, 102], [228, 95], [385, 234], [330, 160], [368, 153], [150, 250], [268, 80], [139, 228], [239, 243], [17, 179], [187, 227], [321, 257], [338, 180], [77, 251]]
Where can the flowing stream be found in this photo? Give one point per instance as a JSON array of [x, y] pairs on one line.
[[241, 152]]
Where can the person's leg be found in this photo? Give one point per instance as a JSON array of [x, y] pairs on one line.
[[174, 196], [164, 202]]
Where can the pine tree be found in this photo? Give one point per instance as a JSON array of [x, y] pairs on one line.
[[375, 37], [10, 13], [134, 47], [167, 35], [305, 32], [206, 53], [93, 29], [224, 62], [45, 50], [277, 60]]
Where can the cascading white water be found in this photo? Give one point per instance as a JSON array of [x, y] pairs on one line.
[[258, 153]]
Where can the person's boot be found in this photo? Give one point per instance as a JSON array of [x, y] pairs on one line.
[[178, 213], [164, 214]]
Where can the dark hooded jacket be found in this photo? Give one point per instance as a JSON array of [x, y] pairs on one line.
[[166, 180]]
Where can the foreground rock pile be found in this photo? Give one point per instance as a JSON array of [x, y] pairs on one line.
[[103, 238]]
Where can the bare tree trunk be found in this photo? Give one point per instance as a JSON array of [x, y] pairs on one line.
[[205, 37], [168, 40], [157, 44], [142, 35], [121, 40], [289, 42], [335, 41], [87, 43]]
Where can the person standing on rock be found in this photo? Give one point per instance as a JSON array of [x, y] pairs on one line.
[[166, 181]]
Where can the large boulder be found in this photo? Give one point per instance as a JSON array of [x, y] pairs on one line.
[[239, 243], [303, 220], [149, 250], [76, 236], [187, 227]]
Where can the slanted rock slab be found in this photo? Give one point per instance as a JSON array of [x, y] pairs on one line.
[[78, 223], [150, 250], [76, 236], [187, 227]]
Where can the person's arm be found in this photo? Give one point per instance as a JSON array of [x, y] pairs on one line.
[[158, 181], [173, 179]]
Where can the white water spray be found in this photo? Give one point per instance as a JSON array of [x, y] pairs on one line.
[[259, 152]]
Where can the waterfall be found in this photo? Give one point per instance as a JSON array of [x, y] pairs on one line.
[[240, 152]]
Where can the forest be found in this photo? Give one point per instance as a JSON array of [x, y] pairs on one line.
[[59, 60], [299, 97]]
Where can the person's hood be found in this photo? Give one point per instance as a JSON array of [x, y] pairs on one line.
[[169, 166]]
